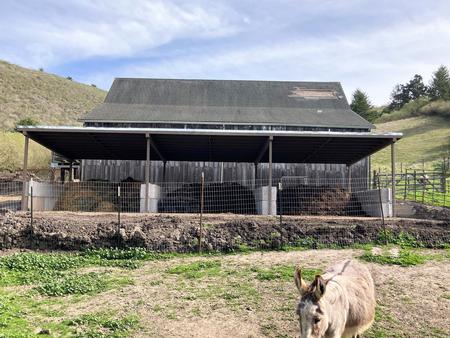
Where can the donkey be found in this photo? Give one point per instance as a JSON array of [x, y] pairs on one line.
[[340, 303]]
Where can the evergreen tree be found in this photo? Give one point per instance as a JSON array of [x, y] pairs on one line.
[[412, 90], [440, 84], [360, 102]]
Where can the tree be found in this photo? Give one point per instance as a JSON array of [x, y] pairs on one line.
[[440, 84], [402, 94], [360, 102]]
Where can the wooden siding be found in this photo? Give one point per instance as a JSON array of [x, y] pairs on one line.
[[117, 170]]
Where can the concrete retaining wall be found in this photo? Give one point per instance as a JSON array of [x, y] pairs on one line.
[[370, 202], [154, 194], [262, 200]]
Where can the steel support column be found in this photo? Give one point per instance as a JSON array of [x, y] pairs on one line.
[[393, 176], [147, 172], [24, 205], [164, 171], [270, 175], [349, 178]]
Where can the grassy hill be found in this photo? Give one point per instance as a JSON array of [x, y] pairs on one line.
[[47, 99], [426, 139]]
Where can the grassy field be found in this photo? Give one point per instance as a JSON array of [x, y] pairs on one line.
[[426, 139], [11, 153], [134, 293], [47, 98]]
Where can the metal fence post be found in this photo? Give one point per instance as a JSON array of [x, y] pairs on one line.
[[280, 195], [119, 205], [202, 189], [31, 203], [382, 211]]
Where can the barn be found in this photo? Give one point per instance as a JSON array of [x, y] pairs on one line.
[[242, 137]]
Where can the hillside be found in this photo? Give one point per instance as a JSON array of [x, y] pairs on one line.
[[426, 139], [47, 98]]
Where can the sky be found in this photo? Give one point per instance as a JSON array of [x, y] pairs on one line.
[[371, 45]]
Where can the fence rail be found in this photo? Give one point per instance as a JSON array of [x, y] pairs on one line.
[[427, 187], [287, 196]]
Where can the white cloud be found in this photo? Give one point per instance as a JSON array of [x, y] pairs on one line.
[[374, 61], [82, 29], [355, 42]]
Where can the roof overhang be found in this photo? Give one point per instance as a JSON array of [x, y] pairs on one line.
[[209, 145]]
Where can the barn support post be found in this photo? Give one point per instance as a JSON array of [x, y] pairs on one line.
[[393, 176], [71, 172], [269, 197], [349, 178], [24, 205], [164, 171], [147, 171], [256, 173]]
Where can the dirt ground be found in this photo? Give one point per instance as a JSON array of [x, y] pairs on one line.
[[232, 302]]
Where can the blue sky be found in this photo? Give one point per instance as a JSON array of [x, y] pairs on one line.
[[370, 45]]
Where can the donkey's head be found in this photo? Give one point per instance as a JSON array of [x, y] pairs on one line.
[[312, 317]]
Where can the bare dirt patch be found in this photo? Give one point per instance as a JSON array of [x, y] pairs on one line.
[[233, 301]]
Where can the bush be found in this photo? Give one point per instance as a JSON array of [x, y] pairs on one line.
[[411, 109], [440, 107], [27, 121]]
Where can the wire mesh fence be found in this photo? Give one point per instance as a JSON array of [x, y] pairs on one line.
[[11, 195], [219, 216], [286, 196], [427, 187]]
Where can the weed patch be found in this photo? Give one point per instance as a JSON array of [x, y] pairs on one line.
[[70, 284], [102, 325], [197, 269], [404, 257], [282, 272]]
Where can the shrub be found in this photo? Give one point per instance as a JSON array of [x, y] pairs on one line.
[[27, 121]]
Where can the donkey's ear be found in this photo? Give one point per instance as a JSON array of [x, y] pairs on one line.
[[299, 282], [319, 286]]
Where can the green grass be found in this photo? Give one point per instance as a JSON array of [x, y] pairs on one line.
[[426, 139], [11, 153], [55, 270], [74, 284], [102, 325], [406, 257], [54, 276], [282, 272], [418, 107], [381, 327], [197, 269], [44, 97]]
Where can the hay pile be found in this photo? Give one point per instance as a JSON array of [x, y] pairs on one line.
[[98, 197]]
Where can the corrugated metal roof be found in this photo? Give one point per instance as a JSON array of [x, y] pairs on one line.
[[320, 104]]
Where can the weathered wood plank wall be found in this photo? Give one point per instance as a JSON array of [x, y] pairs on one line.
[[117, 170]]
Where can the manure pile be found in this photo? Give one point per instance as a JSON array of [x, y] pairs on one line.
[[317, 200], [218, 198]]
